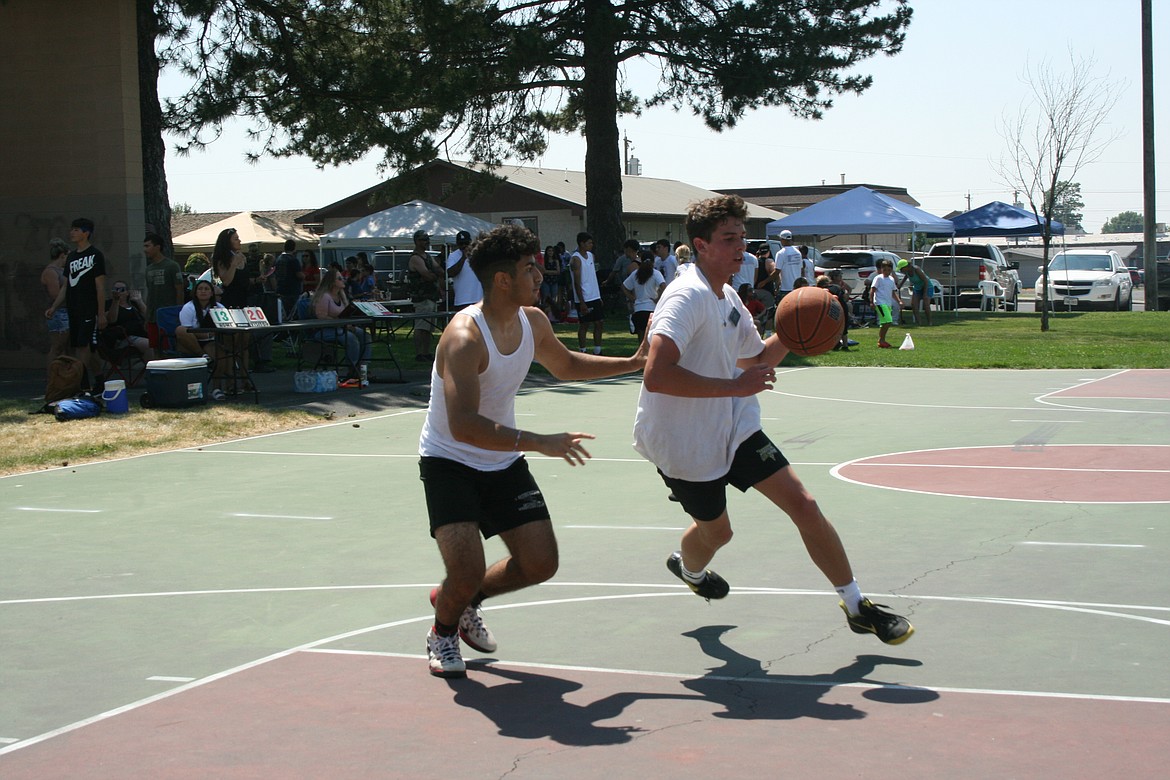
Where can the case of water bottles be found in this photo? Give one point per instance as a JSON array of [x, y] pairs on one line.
[[315, 381]]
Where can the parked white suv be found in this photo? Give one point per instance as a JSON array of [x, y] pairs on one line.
[[858, 265], [1088, 278]]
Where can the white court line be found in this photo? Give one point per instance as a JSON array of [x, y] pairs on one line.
[[162, 678], [8, 740], [278, 517], [676, 591], [763, 680], [1009, 468], [1055, 403], [1081, 544], [1070, 422], [53, 509], [624, 528]]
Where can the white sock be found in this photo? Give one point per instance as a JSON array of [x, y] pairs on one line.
[[690, 576], [851, 595]]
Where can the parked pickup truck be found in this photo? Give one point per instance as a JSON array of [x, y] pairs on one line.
[[970, 264]]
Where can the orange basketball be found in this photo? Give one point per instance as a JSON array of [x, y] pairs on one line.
[[809, 321]]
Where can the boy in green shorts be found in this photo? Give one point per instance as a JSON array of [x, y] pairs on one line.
[[881, 295]]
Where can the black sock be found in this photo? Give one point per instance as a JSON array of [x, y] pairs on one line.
[[479, 597], [444, 630]]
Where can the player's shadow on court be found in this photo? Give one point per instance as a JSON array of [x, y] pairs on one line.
[[746, 690], [533, 706]]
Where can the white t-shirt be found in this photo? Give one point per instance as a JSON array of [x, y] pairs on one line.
[[810, 271], [747, 271], [497, 400], [791, 266], [187, 316], [467, 286], [883, 289], [645, 294], [667, 266], [695, 438], [589, 287]]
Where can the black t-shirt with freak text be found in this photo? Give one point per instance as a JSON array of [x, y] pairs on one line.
[[82, 269]]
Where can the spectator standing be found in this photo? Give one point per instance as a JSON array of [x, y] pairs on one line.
[[423, 277], [53, 280], [587, 293], [84, 296], [643, 288], [290, 278], [682, 253], [550, 288], [808, 268], [748, 270], [920, 290], [665, 262], [312, 272], [230, 266], [165, 283], [468, 290], [789, 264], [881, 295]]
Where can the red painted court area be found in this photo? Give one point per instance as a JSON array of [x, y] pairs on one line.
[[1072, 473], [1135, 383], [313, 715]]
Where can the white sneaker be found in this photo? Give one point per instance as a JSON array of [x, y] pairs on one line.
[[632, 328], [472, 629], [443, 655], [597, 350]]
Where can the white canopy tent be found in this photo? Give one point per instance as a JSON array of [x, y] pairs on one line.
[[395, 227], [252, 228]]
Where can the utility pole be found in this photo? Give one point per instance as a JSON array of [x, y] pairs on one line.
[[1149, 242]]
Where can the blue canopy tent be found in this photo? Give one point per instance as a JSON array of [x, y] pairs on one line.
[[1001, 219], [860, 210]]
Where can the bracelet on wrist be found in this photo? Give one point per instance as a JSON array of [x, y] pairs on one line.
[[516, 444]]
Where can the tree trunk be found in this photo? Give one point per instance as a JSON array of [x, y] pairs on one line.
[[154, 175], [603, 167]]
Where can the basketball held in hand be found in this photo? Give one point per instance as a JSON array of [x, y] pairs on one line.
[[809, 321]]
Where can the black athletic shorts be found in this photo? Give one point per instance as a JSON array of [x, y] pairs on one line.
[[755, 460], [596, 312], [83, 333], [497, 501]]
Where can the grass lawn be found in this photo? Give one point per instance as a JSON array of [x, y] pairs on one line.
[[970, 340], [982, 340]]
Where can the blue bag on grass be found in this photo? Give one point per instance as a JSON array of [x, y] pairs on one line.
[[77, 408]]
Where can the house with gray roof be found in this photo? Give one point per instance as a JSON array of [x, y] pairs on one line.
[[549, 201]]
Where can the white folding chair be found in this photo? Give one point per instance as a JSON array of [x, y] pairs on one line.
[[993, 295], [936, 294]]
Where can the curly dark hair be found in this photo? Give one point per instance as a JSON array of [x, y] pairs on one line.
[[702, 217], [499, 249]]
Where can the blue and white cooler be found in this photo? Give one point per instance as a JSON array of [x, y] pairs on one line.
[[176, 382]]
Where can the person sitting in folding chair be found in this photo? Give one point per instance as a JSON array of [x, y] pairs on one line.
[[128, 311], [328, 303]]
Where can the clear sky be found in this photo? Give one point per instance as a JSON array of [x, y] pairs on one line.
[[930, 122]]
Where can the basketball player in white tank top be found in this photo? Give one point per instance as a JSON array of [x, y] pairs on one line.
[[475, 477]]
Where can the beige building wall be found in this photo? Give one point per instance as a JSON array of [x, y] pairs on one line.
[[70, 146]]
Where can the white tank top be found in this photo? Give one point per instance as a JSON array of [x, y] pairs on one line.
[[498, 385]]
